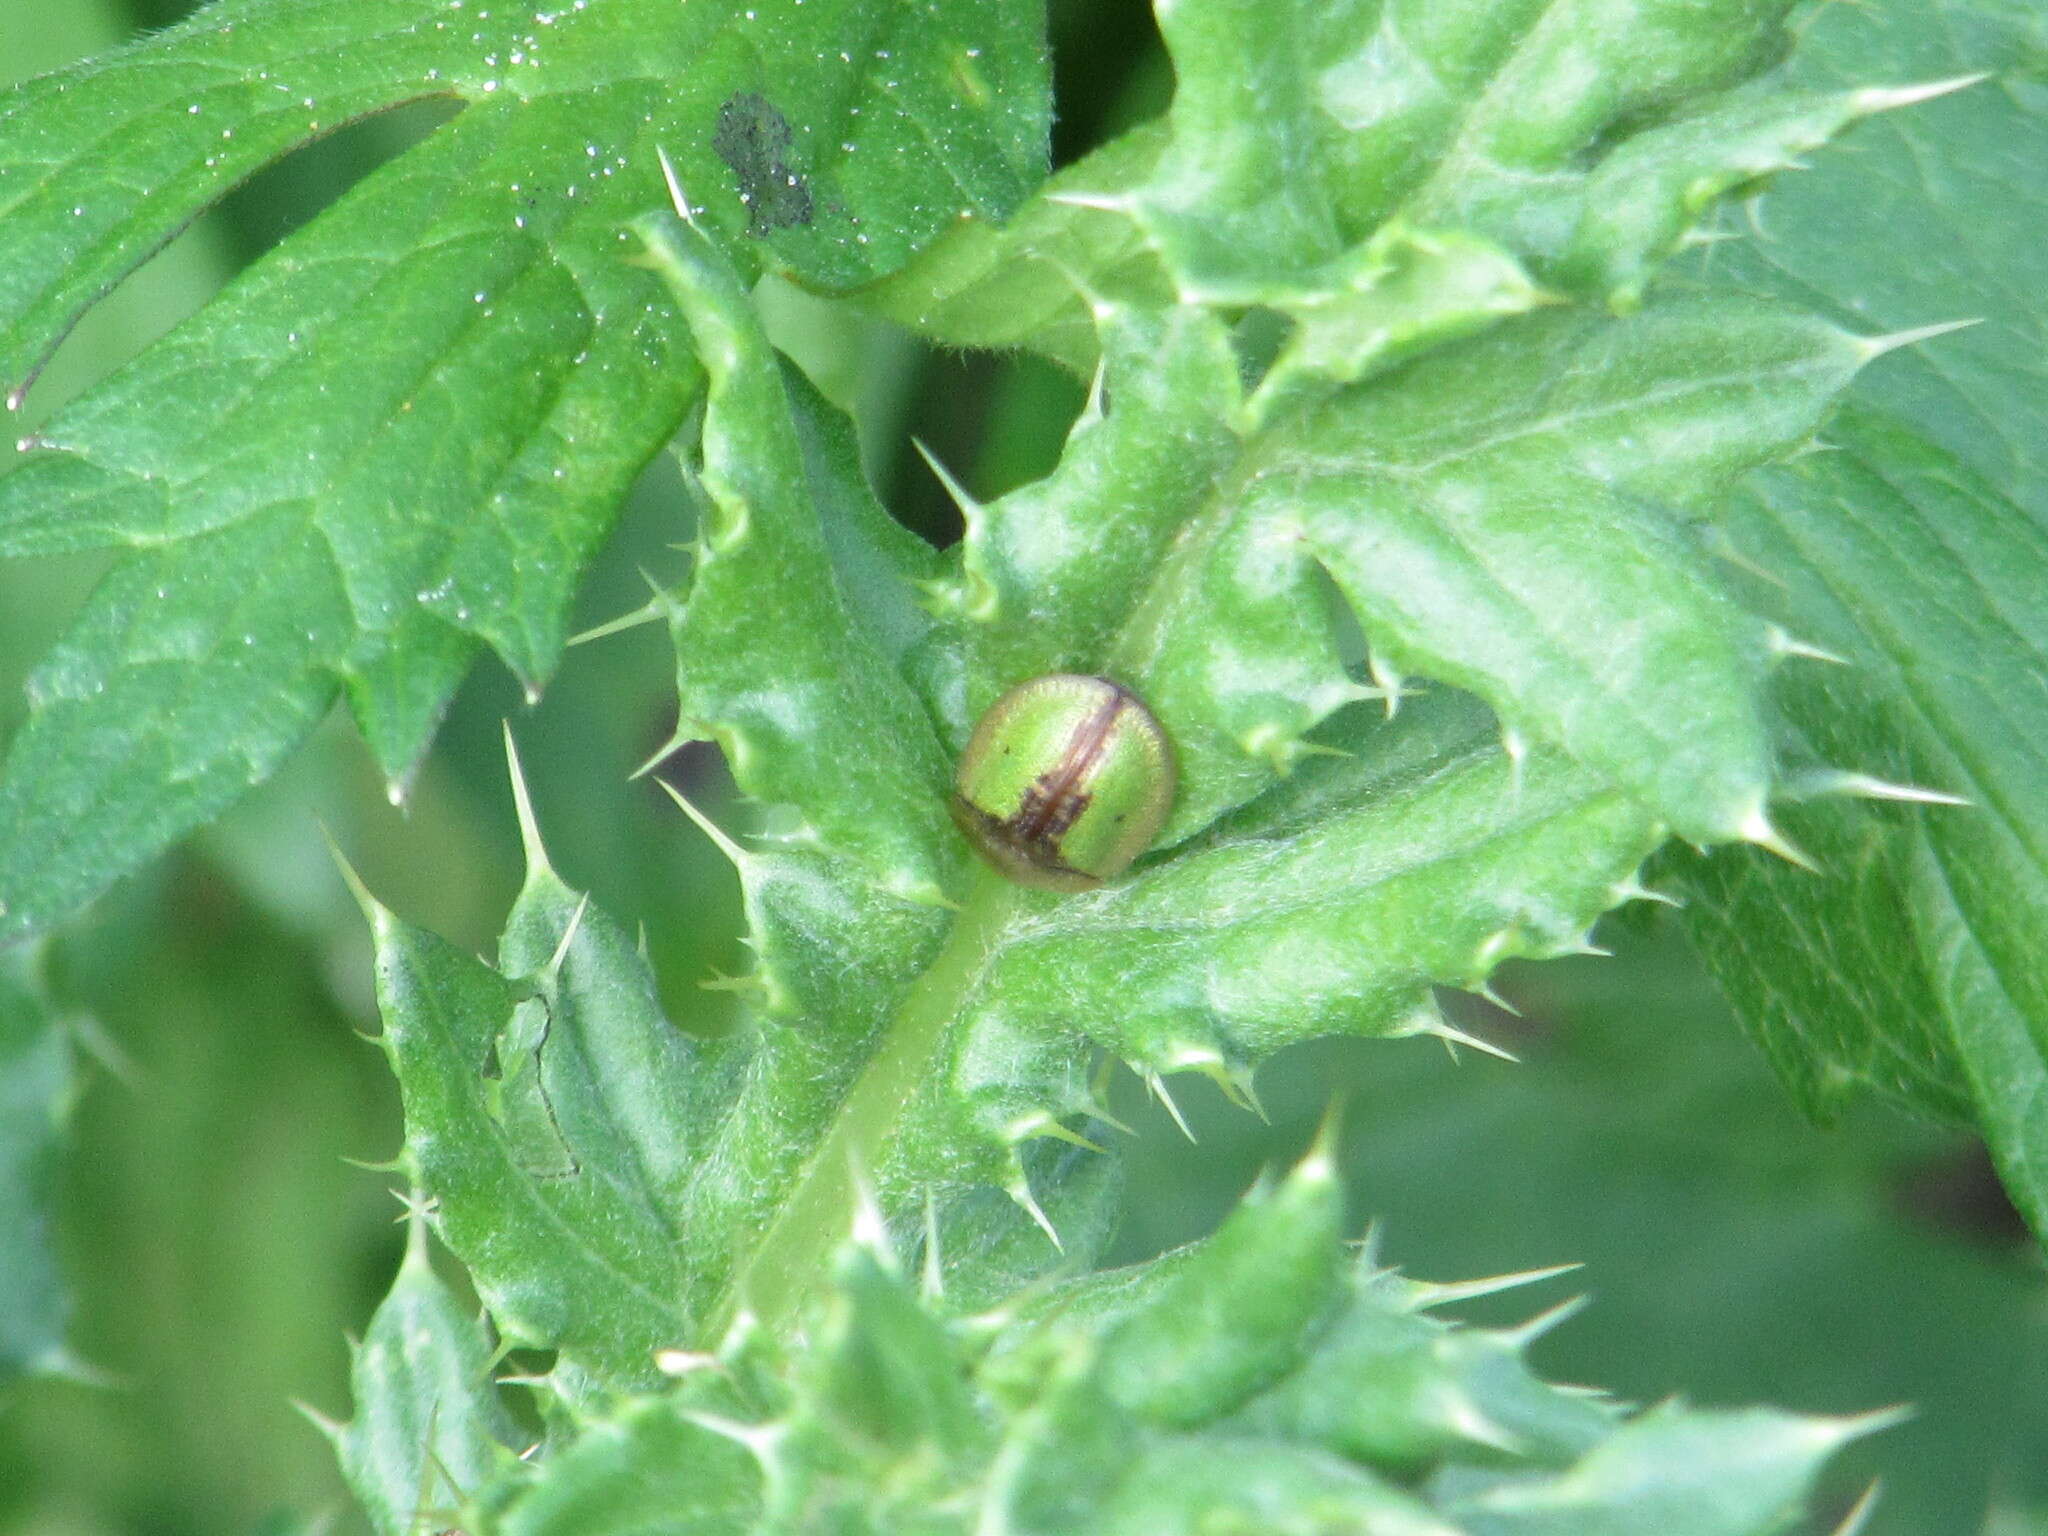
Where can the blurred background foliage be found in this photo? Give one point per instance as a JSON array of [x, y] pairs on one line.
[[220, 1246]]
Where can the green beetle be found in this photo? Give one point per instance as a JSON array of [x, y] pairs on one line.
[[1064, 782]]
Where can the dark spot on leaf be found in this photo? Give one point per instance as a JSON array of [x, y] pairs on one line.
[[755, 141]]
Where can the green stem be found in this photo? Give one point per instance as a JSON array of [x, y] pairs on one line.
[[818, 1216]]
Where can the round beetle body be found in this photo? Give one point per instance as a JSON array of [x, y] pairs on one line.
[[1065, 781]]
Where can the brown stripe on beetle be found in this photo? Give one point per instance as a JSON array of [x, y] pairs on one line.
[[1057, 797]]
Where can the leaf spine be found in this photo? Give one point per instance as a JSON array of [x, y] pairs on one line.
[[1526, 1333], [553, 969], [1859, 1512], [1429, 1294], [677, 197], [1756, 828], [1427, 1020], [1786, 646], [1863, 786], [1874, 347], [1888, 98], [1156, 1085], [735, 855], [1019, 1190]]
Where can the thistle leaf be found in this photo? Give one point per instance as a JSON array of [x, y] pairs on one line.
[[430, 1432], [1915, 552], [1022, 1421], [403, 433]]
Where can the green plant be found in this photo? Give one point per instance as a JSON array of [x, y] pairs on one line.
[[1426, 343]]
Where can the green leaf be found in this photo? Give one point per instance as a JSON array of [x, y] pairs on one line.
[[1916, 553], [406, 430], [1234, 1317], [1678, 1471], [545, 1116], [1428, 841], [1498, 519], [1243, 1487], [1499, 515], [35, 1097], [430, 1431], [649, 1470], [1911, 968], [898, 1415], [617, 1191], [836, 733], [1650, 197], [1173, 553], [1299, 130], [1396, 1387]]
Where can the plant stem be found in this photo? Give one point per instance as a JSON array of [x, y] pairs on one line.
[[818, 1216]]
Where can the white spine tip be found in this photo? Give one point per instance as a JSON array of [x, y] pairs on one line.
[[568, 940], [1783, 644], [1318, 1167], [734, 853], [1756, 828], [1104, 202], [1156, 1085], [1450, 1034], [1020, 1191], [522, 804], [649, 613], [1543, 1322], [969, 507], [1863, 786], [1874, 347], [1859, 1512], [1484, 990], [870, 1231], [1889, 98], [678, 198]]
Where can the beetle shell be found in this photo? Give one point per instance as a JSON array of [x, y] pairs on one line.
[[1065, 781]]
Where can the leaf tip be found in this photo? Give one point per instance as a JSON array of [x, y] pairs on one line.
[[1427, 1019], [374, 911], [333, 1429], [1019, 1190], [677, 197], [1842, 782], [735, 855], [522, 805], [1633, 889], [1155, 1084], [1757, 828], [1872, 100], [1784, 646], [1859, 1513], [1871, 348]]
